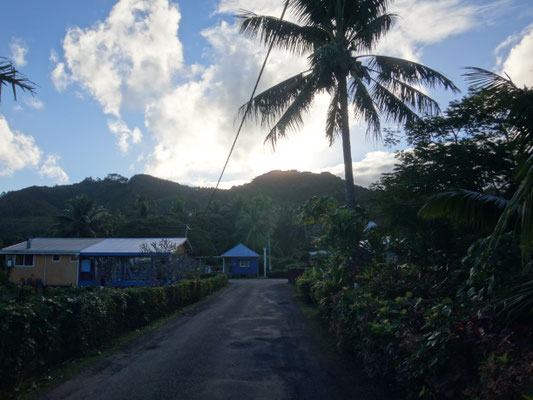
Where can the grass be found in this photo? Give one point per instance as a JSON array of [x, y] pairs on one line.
[[31, 389], [367, 388]]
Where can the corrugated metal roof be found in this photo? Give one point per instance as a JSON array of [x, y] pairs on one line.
[[240, 251], [101, 247], [128, 246], [51, 245]]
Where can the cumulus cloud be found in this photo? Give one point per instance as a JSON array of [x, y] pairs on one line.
[[18, 52], [513, 57], [52, 170], [369, 169], [124, 60], [34, 103], [19, 151]]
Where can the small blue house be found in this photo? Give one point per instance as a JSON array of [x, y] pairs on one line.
[[240, 261]]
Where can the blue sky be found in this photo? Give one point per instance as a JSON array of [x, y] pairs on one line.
[[153, 86]]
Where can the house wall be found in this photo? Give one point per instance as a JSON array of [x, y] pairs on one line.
[[62, 273], [236, 269]]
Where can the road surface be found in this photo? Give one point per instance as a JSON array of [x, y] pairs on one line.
[[249, 342]]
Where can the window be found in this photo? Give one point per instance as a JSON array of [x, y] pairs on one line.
[[74, 258], [245, 263], [56, 258], [24, 260]]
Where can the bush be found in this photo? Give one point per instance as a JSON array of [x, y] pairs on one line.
[[40, 331], [280, 274]]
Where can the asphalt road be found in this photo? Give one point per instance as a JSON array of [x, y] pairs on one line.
[[250, 342]]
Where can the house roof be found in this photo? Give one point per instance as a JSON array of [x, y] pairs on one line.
[[240, 251], [130, 246], [50, 245], [95, 247]]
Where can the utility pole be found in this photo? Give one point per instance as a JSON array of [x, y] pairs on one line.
[[265, 261], [269, 254]]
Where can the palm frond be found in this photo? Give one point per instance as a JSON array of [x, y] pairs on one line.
[[392, 107], [410, 95], [283, 35], [269, 105], [408, 71], [502, 94], [333, 119], [367, 36], [10, 76], [521, 199], [481, 79], [522, 299], [364, 105], [466, 207], [292, 117]]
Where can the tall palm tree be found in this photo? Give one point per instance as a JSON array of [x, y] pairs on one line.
[[339, 36], [10, 76], [82, 218]]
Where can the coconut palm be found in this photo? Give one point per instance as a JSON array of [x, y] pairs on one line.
[[10, 76], [339, 36], [82, 218]]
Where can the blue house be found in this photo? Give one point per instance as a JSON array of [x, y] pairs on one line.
[[240, 261]]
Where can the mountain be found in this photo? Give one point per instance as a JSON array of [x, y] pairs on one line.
[[31, 211]]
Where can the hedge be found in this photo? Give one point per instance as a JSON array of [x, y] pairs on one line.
[[40, 331], [431, 347]]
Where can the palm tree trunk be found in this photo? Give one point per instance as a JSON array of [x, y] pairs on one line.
[[346, 147]]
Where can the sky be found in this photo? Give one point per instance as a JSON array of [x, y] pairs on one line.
[[153, 86]]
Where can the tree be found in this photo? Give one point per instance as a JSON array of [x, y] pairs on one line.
[[82, 218], [256, 221], [340, 37], [466, 150], [10, 76]]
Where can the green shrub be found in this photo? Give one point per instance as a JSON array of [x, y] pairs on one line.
[[277, 274], [40, 331]]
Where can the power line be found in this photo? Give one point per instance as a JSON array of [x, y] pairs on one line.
[[247, 107]]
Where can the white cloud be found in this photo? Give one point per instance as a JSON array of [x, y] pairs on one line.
[[60, 77], [18, 52], [424, 22], [54, 57], [122, 62], [124, 135], [34, 102], [52, 170], [19, 151], [517, 63], [369, 169]]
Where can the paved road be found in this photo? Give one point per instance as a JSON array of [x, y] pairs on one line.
[[250, 342]]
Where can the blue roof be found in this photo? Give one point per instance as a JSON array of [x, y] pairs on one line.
[[240, 251]]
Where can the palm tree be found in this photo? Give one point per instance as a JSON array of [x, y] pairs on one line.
[[256, 221], [82, 218], [339, 36], [10, 76]]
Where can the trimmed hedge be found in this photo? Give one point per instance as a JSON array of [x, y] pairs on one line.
[[40, 331]]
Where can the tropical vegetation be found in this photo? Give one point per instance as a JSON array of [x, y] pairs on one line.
[[437, 299], [339, 38]]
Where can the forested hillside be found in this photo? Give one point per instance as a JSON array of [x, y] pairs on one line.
[[148, 206]]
